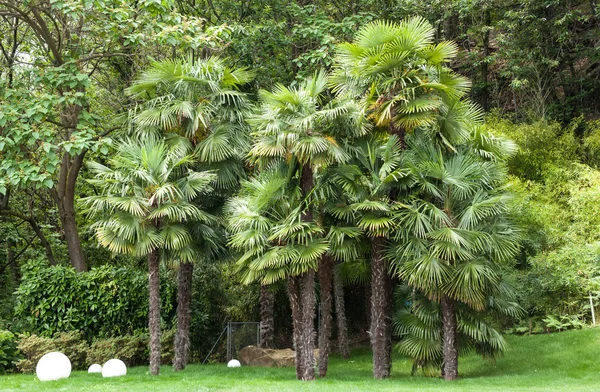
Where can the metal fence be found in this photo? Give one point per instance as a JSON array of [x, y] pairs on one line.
[[240, 335]]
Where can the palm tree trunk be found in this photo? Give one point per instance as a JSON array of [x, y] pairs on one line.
[[184, 313], [449, 342], [296, 307], [267, 321], [307, 334], [340, 313], [389, 309], [154, 311], [325, 280], [379, 329], [306, 343]]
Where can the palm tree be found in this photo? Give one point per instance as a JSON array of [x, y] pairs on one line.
[[146, 202], [297, 125], [399, 77], [267, 319], [368, 181], [398, 74], [267, 223], [454, 232], [419, 325], [200, 100], [340, 315]]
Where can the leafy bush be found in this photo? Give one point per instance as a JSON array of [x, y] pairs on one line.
[[107, 301], [562, 323], [34, 347], [9, 353], [130, 349]]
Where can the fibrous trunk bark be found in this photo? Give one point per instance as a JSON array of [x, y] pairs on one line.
[[380, 321], [389, 308], [449, 342], [267, 321], [184, 313], [325, 280], [307, 334], [296, 307], [305, 343], [154, 311], [340, 313]]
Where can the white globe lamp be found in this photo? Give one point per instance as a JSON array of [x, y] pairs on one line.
[[114, 368], [234, 363], [53, 366], [95, 368]]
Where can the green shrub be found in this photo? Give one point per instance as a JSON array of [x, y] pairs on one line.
[[9, 353], [107, 301], [167, 347], [34, 347], [130, 349]]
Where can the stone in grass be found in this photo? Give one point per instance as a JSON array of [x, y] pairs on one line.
[[114, 368], [95, 368], [53, 366], [234, 363]]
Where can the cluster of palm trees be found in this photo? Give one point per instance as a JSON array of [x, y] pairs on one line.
[[383, 160]]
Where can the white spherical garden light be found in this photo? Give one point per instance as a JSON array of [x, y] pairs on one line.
[[234, 363], [95, 368], [114, 368], [53, 366]]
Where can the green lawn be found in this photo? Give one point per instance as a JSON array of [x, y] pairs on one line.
[[567, 361]]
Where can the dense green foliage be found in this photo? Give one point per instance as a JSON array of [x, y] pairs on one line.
[[131, 349], [9, 353], [107, 301], [35, 347]]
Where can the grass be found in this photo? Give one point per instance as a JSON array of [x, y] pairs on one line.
[[567, 361]]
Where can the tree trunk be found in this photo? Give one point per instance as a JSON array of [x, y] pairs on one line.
[[325, 280], [389, 309], [484, 64], [67, 218], [184, 313], [296, 307], [64, 196], [10, 256], [267, 321], [154, 310], [307, 334], [44, 241], [340, 312], [6, 211], [305, 345], [379, 318], [449, 342]]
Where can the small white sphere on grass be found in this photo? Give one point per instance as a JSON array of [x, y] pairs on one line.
[[114, 368], [95, 368], [53, 366], [234, 363]]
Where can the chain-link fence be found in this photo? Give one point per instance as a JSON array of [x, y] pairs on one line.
[[240, 335]]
